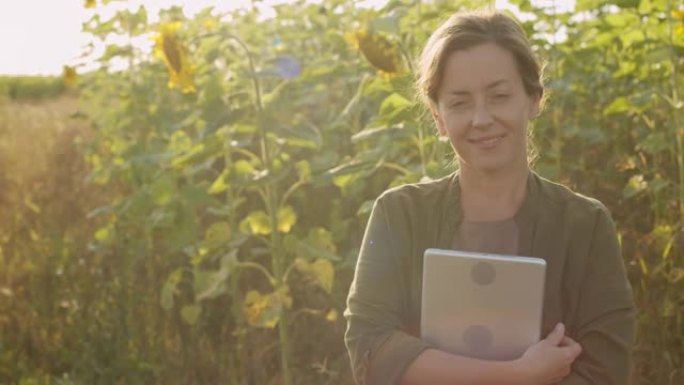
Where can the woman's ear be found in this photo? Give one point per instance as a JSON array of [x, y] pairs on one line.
[[535, 105], [439, 122]]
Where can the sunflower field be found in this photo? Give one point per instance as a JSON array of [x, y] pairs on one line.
[[194, 217]]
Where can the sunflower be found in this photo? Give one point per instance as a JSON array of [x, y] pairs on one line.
[[169, 49], [377, 49]]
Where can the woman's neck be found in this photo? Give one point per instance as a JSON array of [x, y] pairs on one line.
[[492, 196]]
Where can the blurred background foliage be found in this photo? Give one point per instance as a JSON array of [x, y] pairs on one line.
[[195, 218]]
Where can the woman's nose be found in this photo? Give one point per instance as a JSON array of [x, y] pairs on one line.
[[482, 116]]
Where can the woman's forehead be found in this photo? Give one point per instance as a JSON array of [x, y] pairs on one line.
[[480, 67]]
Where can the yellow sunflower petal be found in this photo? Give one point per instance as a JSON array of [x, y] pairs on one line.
[[174, 54], [678, 14]]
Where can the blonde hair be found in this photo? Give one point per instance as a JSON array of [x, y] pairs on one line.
[[465, 30]]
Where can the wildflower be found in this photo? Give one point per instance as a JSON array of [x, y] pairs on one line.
[[377, 49], [175, 55], [90, 3], [287, 67], [278, 44], [69, 75]]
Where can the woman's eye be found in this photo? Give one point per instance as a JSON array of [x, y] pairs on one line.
[[460, 104], [501, 96]]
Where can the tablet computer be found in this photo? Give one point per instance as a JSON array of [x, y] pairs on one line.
[[479, 305]]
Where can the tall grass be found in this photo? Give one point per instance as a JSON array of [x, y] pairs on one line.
[[26, 88], [44, 198]]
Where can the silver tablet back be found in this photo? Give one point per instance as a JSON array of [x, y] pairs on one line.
[[479, 305]]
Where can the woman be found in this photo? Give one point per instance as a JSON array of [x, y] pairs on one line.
[[482, 84]]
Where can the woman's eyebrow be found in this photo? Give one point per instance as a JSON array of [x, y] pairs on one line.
[[497, 82], [490, 85]]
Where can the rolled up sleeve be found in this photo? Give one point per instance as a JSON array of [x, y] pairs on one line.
[[605, 318], [379, 347]]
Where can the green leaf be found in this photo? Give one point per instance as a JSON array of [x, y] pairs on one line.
[[655, 142], [387, 24], [345, 180], [263, 310], [324, 273], [645, 7], [169, 288], [636, 185], [185, 230], [321, 272], [314, 246], [286, 219], [394, 108], [220, 184], [321, 238], [376, 86], [196, 194], [103, 234], [217, 235], [163, 189], [626, 68], [619, 105], [198, 153], [303, 170], [658, 183], [243, 169], [588, 5], [372, 132], [620, 20], [210, 284], [180, 142], [113, 51], [167, 296], [626, 3], [631, 37], [258, 222], [191, 313]]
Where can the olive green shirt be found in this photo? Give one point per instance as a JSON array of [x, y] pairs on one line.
[[500, 237], [586, 284]]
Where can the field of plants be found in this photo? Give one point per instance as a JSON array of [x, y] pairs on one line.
[[196, 217]]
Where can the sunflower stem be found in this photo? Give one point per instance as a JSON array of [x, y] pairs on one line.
[[676, 111], [272, 205]]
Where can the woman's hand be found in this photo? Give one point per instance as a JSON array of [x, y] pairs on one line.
[[549, 360]]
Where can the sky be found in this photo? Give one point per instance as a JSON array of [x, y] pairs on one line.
[[38, 37]]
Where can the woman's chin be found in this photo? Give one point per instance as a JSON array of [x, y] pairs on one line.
[[493, 166]]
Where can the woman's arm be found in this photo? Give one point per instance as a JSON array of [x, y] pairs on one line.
[[547, 362], [435, 367], [379, 347], [604, 320]]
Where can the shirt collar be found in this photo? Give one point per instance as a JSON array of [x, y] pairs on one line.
[[524, 215]]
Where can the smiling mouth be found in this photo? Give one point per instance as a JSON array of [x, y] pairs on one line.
[[489, 141]]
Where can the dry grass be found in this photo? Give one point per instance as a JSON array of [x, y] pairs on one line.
[[43, 200], [29, 132]]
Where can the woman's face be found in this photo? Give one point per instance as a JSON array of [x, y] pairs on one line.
[[484, 110]]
